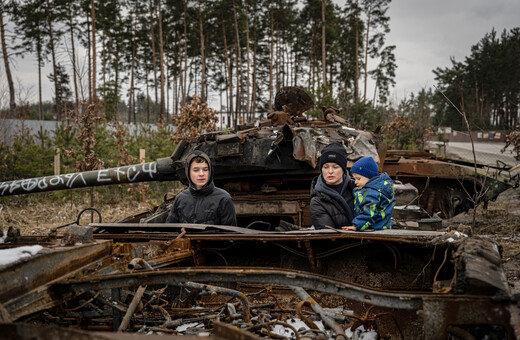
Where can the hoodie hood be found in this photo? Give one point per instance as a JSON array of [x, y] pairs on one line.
[[380, 183], [209, 186]]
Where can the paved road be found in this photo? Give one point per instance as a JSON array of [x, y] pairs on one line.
[[486, 153]]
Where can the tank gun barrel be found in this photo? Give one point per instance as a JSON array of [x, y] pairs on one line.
[[159, 170]]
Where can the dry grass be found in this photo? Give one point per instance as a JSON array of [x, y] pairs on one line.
[[40, 218], [500, 222]]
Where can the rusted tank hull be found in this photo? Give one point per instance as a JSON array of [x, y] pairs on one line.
[[401, 282]]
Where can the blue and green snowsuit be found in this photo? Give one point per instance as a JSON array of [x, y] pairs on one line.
[[373, 204]]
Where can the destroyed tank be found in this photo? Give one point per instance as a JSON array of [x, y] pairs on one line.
[[268, 169], [422, 284]]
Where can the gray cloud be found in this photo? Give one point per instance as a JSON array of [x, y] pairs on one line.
[[428, 33]]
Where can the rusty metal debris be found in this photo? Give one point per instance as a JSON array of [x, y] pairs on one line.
[[233, 278], [143, 276]]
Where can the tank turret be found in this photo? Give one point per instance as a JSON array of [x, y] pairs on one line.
[[268, 169]]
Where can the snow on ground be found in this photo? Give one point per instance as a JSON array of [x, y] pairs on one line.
[[361, 334], [11, 255]]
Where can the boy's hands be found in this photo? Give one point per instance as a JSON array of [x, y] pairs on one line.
[[349, 228]]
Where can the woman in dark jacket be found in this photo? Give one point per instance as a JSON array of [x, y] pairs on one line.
[[332, 202], [202, 202]]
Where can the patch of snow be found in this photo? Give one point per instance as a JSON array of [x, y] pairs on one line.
[[361, 334], [451, 239], [410, 207], [459, 234], [4, 236], [283, 331], [11, 255], [183, 328], [298, 324]]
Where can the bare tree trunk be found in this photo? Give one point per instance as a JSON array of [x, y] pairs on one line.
[[185, 78], [374, 99], [12, 103], [356, 82], [177, 76], [254, 75], [285, 60], [330, 82], [281, 58], [202, 56], [277, 59], [161, 59], [89, 60], [271, 60], [40, 106], [323, 42], [93, 15], [54, 68], [103, 59], [147, 97], [154, 58], [248, 103], [181, 77], [131, 99], [74, 66], [230, 72], [239, 68], [116, 87], [366, 54], [295, 80], [313, 56], [167, 76]]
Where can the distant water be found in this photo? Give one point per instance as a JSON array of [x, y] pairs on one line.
[[9, 128]]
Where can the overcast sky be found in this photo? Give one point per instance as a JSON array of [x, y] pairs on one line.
[[426, 33]]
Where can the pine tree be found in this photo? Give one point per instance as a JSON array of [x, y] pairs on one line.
[[12, 103]]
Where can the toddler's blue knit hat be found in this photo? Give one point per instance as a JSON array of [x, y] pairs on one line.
[[365, 166]]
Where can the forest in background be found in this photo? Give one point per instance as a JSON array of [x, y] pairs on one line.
[[156, 61], [146, 58], [163, 52]]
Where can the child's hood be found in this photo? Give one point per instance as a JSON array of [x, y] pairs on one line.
[[381, 182]]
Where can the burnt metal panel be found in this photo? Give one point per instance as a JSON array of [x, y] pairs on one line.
[[21, 277], [229, 149], [305, 280], [463, 311], [267, 208], [26, 331]]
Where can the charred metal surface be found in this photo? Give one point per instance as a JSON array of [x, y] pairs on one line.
[[25, 275], [339, 333], [402, 279], [479, 272], [153, 277], [396, 235], [478, 316], [247, 275], [292, 100], [26, 331], [37, 300], [446, 187], [116, 260], [229, 332]]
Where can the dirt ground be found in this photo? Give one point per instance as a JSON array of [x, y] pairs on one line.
[[499, 222]]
